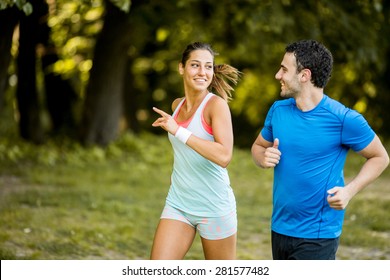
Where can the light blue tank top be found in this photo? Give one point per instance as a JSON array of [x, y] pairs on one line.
[[198, 186]]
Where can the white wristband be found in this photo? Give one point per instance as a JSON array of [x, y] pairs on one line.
[[183, 134]]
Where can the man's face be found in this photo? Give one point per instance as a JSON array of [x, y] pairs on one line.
[[288, 77]]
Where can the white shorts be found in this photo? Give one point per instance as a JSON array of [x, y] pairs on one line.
[[212, 228]]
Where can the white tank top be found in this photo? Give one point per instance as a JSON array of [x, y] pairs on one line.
[[198, 186]]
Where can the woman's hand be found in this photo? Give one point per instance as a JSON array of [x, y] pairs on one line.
[[165, 121]]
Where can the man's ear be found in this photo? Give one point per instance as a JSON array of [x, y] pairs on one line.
[[306, 75]]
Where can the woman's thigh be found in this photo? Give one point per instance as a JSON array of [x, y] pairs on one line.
[[221, 249], [172, 240]]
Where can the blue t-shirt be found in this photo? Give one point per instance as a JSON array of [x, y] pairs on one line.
[[314, 146]]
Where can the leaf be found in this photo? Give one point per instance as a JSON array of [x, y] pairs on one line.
[[124, 5], [27, 9]]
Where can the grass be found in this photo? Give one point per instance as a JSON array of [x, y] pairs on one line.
[[61, 201]]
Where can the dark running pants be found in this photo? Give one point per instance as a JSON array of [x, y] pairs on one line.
[[292, 248]]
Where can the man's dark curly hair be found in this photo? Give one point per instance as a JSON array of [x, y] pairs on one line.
[[314, 56]]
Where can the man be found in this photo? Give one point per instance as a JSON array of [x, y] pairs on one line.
[[305, 139]]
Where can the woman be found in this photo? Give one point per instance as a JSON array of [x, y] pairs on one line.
[[200, 130]]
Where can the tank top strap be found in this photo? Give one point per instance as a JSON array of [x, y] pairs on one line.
[[200, 109], [178, 107]]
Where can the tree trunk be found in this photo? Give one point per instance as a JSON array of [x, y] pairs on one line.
[[8, 20], [27, 97], [130, 99], [104, 94], [60, 96]]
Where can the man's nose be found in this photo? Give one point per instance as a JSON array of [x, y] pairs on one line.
[[277, 75]]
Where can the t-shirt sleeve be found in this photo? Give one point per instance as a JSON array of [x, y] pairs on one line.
[[266, 131], [357, 133]]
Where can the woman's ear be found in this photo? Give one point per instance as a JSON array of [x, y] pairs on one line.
[[181, 68]]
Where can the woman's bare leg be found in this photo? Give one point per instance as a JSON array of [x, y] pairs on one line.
[[172, 240], [222, 249]]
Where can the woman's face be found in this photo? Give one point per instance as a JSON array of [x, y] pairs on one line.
[[198, 71]]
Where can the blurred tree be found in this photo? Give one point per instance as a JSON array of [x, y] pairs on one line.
[[104, 93], [30, 127], [59, 94], [133, 65], [8, 21], [378, 89], [9, 17]]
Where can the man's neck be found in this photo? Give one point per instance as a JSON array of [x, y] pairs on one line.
[[310, 99]]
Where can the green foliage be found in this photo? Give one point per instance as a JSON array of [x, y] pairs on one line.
[[22, 5], [74, 27], [250, 35], [124, 5], [252, 97]]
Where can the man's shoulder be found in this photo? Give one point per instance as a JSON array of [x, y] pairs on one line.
[[335, 107], [284, 102]]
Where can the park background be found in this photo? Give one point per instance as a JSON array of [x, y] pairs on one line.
[[83, 175]]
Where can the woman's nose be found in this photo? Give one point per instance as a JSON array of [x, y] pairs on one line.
[[201, 70]]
